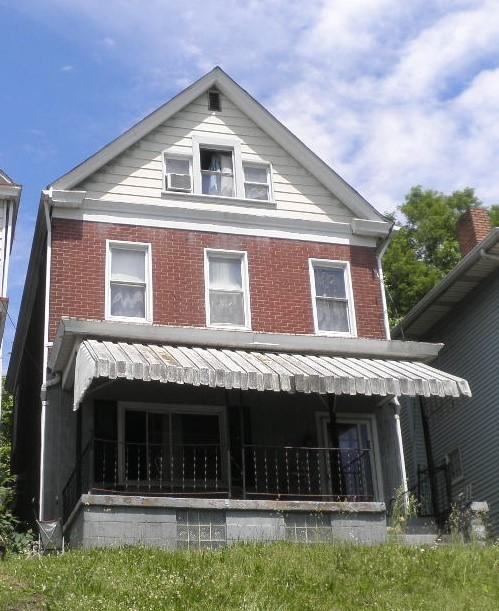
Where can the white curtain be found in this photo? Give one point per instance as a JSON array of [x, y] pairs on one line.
[[128, 265], [332, 315], [225, 273]]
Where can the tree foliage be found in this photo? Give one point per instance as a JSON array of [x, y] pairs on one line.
[[425, 249], [13, 535]]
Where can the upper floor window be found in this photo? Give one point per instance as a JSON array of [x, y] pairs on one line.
[[256, 181], [178, 173], [332, 297], [217, 172], [227, 289], [216, 168], [128, 290]]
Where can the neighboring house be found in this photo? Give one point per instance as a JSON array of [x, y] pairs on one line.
[[462, 311], [204, 316], [10, 195]]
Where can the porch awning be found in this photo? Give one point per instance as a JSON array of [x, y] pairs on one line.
[[262, 371]]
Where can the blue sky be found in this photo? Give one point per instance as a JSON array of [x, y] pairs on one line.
[[390, 93]]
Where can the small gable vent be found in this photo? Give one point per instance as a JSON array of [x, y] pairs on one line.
[[214, 101], [178, 182]]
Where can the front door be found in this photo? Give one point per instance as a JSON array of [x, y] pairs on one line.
[[350, 463]]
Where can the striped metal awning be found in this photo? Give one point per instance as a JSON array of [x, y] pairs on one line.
[[262, 371]]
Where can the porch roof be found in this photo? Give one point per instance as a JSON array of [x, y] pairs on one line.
[[261, 371]]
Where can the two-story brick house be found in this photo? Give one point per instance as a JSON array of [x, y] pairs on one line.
[[204, 316]]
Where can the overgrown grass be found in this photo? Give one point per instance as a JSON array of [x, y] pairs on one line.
[[280, 576]]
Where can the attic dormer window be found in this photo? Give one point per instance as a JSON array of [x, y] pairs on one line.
[[214, 101]]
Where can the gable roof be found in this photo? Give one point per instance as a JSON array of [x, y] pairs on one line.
[[451, 290], [255, 111]]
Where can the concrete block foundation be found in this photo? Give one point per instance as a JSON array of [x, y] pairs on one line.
[[176, 523]]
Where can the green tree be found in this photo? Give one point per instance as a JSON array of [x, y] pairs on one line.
[[425, 249], [494, 215], [13, 534]]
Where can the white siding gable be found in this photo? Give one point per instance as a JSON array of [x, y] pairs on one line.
[[136, 175]]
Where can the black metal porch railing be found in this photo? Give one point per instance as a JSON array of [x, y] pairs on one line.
[[78, 482], [304, 472], [250, 471], [148, 467]]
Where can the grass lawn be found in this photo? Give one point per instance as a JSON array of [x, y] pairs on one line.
[[279, 576]]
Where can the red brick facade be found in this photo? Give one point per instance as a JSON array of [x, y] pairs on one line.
[[473, 226], [278, 273]]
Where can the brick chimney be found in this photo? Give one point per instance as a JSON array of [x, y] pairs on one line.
[[473, 226]]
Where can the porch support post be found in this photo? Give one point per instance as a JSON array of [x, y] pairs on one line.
[[396, 409]]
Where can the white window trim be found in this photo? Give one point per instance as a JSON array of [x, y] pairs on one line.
[[268, 166], [146, 247], [181, 157], [243, 255], [323, 419], [222, 143], [345, 265]]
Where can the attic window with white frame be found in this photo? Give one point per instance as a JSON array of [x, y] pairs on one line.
[[128, 291], [256, 181], [217, 171], [178, 173], [227, 289], [332, 297]]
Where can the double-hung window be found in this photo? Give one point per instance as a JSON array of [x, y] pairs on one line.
[[215, 167], [256, 181], [217, 172], [128, 291], [227, 292], [177, 173], [332, 297]]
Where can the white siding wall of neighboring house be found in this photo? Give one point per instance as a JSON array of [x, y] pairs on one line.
[[3, 213], [137, 174]]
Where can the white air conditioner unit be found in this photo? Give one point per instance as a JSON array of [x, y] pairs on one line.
[[178, 182]]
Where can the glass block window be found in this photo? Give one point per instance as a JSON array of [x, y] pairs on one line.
[[201, 529], [308, 527]]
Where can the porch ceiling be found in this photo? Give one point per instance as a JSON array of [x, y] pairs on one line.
[[250, 370]]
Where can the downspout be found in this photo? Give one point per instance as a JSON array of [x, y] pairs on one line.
[[45, 383], [379, 256], [396, 408]]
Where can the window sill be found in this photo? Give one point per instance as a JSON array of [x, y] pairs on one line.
[[142, 321], [334, 334], [218, 199], [228, 327]]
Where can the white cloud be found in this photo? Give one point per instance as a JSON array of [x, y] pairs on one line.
[[67, 68], [390, 93]]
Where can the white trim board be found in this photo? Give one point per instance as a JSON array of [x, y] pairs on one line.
[[256, 112], [210, 221]]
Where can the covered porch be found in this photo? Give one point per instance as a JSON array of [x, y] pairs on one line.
[[288, 439]]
